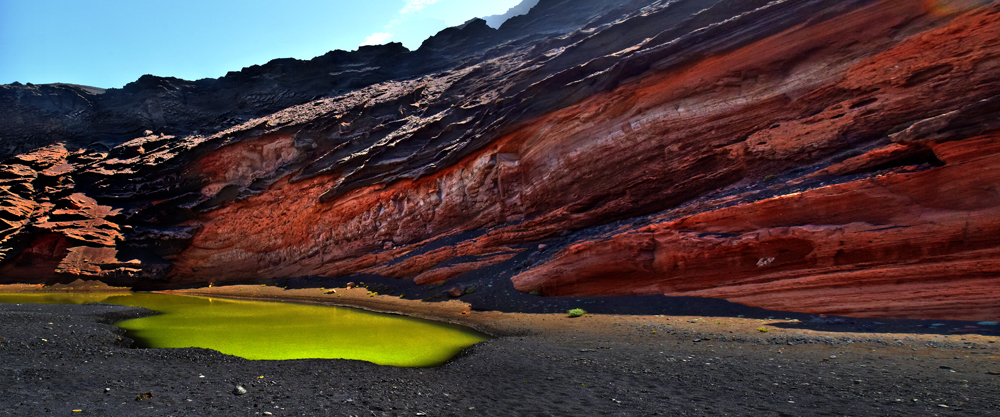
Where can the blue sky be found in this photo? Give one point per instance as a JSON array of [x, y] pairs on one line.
[[108, 43]]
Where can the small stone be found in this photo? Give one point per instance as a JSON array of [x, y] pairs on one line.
[[762, 262], [239, 390], [456, 292], [542, 247]]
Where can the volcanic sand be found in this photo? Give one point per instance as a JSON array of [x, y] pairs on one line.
[[57, 359]]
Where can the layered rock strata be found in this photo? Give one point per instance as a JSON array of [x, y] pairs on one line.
[[797, 155]]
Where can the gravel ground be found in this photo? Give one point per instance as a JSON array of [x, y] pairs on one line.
[[69, 360]]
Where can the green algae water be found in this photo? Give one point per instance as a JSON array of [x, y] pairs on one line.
[[55, 298], [275, 330]]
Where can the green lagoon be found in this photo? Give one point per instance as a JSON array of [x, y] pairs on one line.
[[264, 330]]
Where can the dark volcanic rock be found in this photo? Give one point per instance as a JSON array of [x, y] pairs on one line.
[[85, 116], [800, 155]]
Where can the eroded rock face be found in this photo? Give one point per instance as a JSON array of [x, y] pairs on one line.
[[800, 155]]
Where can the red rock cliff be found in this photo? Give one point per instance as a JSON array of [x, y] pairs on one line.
[[806, 156]]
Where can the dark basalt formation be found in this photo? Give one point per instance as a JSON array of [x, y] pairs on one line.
[[825, 157]]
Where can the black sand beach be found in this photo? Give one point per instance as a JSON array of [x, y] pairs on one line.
[[69, 360]]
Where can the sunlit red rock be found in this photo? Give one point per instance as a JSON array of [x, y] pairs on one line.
[[836, 158], [890, 245]]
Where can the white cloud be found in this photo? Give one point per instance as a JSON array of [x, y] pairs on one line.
[[413, 6], [377, 38]]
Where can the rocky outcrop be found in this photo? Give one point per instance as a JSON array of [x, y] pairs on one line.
[[797, 155], [917, 238], [91, 117]]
